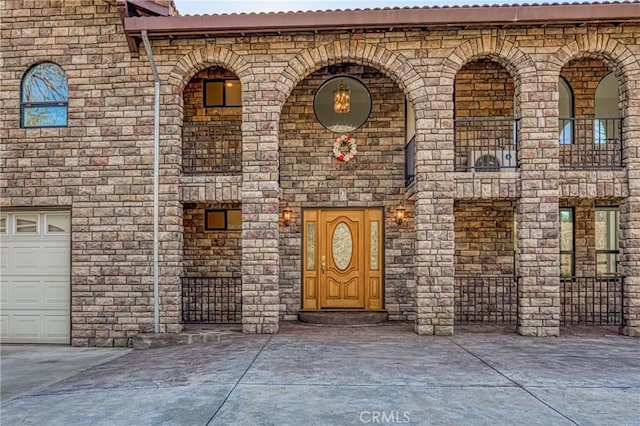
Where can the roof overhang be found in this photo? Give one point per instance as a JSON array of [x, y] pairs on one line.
[[371, 19]]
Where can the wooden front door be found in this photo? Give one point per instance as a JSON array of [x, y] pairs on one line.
[[342, 252]]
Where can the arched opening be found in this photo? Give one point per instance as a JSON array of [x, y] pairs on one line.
[[211, 133], [44, 96], [485, 118], [212, 241], [340, 207], [589, 115]]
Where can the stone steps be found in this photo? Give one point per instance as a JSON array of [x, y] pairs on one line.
[[342, 317], [189, 336]]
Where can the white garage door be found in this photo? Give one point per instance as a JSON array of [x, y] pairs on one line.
[[34, 277]]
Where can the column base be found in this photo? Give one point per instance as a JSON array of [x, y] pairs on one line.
[[434, 330], [631, 331], [260, 328], [539, 331]]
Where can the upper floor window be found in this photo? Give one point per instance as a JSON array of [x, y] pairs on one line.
[[565, 112], [410, 143], [606, 124], [44, 96], [222, 93], [607, 246]]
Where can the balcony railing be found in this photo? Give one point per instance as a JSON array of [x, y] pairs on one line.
[[410, 161], [486, 300], [591, 300], [211, 300], [211, 149], [590, 143], [486, 144]]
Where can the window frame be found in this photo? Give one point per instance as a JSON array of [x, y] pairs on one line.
[[51, 104], [224, 92], [571, 252], [615, 252]]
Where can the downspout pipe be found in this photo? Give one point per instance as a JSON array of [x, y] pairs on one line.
[[156, 174]]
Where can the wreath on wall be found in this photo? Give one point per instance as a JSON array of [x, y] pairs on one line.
[[344, 148]]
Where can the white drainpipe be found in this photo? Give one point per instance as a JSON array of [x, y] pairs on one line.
[[156, 167]]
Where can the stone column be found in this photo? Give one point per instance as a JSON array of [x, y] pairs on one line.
[[630, 211], [260, 190], [537, 212], [434, 227]]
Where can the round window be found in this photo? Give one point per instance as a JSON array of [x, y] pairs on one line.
[[342, 104]]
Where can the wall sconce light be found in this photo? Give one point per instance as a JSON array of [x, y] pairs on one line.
[[400, 213], [342, 99], [286, 213]]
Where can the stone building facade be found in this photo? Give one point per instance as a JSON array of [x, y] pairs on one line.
[[479, 242]]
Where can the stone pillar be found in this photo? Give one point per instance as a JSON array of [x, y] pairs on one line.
[[630, 211], [434, 228], [260, 190], [537, 213]]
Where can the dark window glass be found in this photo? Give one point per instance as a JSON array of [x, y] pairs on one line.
[[221, 93]]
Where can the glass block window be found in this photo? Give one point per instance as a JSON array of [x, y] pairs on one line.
[[44, 96]]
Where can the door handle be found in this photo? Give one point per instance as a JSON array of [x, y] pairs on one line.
[[324, 264]]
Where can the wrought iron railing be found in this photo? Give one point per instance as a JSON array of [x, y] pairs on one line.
[[590, 143], [486, 300], [211, 300], [211, 149], [592, 300], [486, 144], [410, 161]]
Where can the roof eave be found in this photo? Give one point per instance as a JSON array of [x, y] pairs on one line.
[[234, 24]]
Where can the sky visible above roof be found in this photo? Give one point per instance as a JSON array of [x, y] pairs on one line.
[[193, 7]]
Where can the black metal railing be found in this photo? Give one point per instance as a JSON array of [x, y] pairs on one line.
[[588, 143], [486, 144], [486, 300], [591, 300], [211, 149], [211, 300], [410, 161]]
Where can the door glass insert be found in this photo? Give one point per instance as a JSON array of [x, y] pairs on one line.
[[311, 246], [342, 246], [374, 244]]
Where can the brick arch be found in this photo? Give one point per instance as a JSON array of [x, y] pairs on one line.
[[615, 54], [203, 58], [392, 64], [493, 47]]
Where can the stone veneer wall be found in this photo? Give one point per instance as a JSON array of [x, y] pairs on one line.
[[484, 238], [100, 165], [311, 177], [484, 89]]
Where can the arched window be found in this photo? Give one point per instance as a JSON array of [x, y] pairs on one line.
[[606, 123], [565, 112], [44, 96]]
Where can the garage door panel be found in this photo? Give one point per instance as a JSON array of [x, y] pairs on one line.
[[25, 294], [4, 259], [55, 259], [56, 327], [35, 279], [25, 259], [56, 293], [25, 326]]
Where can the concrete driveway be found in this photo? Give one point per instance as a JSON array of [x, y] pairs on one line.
[[309, 375]]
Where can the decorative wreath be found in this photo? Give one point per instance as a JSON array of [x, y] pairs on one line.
[[348, 142]]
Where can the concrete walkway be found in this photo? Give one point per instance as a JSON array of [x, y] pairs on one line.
[[310, 375]]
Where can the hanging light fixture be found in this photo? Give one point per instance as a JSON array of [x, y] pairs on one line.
[[342, 99]]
